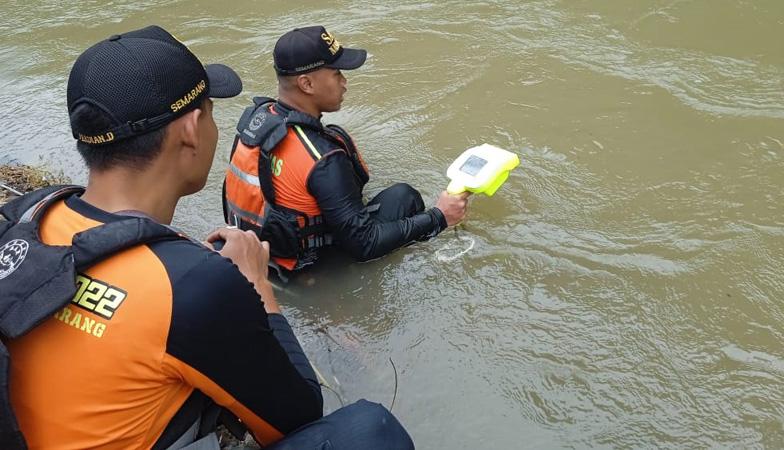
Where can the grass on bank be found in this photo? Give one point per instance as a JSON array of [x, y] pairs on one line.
[[16, 179]]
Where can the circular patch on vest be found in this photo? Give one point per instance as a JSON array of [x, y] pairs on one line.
[[257, 121], [12, 254]]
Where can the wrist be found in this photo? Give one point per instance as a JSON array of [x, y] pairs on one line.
[[265, 291], [439, 218]]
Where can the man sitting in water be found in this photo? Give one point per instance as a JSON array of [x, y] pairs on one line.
[[298, 183], [159, 334]]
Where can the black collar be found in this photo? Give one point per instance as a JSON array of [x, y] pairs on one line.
[[286, 109], [76, 203]]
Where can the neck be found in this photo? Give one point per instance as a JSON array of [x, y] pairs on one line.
[[145, 191], [299, 104]]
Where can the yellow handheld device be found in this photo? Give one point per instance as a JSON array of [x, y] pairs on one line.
[[481, 170]]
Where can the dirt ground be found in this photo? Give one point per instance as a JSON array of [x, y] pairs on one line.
[[229, 442]]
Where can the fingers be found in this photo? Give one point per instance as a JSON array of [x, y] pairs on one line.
[[225, 233], [220, 233], [462, 195], [253, 237], [213, 236]]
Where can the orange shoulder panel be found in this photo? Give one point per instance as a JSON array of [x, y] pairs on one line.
[[295, 162]]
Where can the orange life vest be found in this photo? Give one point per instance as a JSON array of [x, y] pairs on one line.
[[265, 189]]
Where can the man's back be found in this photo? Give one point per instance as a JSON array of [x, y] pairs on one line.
[[146, 327]]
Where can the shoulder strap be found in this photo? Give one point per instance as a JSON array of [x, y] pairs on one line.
[[37, 279], [24, 208], [261, 100], [96, 244], [258, 127], [337, 133]]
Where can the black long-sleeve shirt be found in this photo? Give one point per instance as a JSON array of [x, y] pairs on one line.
[[338, 191]]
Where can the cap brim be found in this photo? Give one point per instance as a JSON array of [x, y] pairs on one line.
[[224, 81], [351, 58]]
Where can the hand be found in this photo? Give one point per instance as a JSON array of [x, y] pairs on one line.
[[243, 249], [251, 257], [454, 207]]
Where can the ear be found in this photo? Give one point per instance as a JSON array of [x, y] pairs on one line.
[[305, 83], [190, 128]]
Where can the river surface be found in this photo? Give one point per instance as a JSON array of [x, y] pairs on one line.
[[625, 285]]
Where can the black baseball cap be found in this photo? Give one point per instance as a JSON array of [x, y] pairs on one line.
[[303, 50], [143, 80]]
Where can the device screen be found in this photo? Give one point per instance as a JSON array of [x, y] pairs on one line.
[[473, 165]]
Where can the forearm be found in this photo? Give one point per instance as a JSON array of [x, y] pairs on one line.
[[339, 197], [222, 321], [264, 289], [366, 239], [285, 336]]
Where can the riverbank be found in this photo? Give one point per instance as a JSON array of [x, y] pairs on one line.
[[16, 180]]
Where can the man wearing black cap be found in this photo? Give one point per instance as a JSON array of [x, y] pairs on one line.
[[298, 183], [159, 333]]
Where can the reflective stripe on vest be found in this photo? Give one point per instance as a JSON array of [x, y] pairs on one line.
[[246, 177], [243, 194], [243, 214]]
